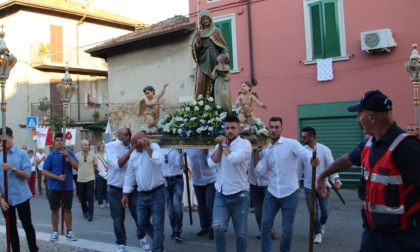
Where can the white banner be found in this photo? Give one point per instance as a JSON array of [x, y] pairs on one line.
[[41, 136], [70, 137]]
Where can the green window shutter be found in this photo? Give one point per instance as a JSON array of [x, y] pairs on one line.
[[317, 30], [332, 37], [225, 27]]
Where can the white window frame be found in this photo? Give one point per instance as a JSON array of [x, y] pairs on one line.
[[232, 19], [308, 32]]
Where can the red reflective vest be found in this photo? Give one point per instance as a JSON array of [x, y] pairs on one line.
[[386, 208]]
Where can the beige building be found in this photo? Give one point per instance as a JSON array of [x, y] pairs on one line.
[[152, 56], [46, 36]]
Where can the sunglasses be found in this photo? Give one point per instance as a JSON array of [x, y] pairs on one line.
[[85, 158]]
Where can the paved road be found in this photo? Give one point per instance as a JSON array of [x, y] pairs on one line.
[[343, 230]]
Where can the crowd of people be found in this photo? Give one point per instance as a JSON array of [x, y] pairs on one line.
[[146, 179]]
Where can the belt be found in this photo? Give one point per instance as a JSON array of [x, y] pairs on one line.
[[115, 188], [154, 189], [176, 177]]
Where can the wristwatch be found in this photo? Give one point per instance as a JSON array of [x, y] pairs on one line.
[[14, 169], [224, 145]]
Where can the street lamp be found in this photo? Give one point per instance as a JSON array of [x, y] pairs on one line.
[[7, 62], [413, 68], [66, 88]]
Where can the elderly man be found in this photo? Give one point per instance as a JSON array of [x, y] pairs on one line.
[[145, 170], [390, 160], [86, 178], [118, 154], [231, 158]]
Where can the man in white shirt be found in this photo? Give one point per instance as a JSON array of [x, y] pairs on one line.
[[39, 160], [172, 171], [281, 159], [145, 170], [118, 154], [325, 158], [231, 158]]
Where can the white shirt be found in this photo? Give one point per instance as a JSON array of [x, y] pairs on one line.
[[172, 164], [325, 157], [231, 176], [33, 167], [144, 170], [255, 180], [115, 150], [281, 160], [40, 156], [202, 174]]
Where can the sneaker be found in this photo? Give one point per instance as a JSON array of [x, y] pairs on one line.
[[172, 236], [273, 234], [121, 248], [101, 206], [322, 229], [178, 236], [144, 244], [54, 236], [318, 239], [70, 236], [202, 232]]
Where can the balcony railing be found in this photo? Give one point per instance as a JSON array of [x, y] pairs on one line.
[[44, 56], [77, 112]]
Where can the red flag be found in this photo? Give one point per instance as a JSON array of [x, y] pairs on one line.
[[49, 141]]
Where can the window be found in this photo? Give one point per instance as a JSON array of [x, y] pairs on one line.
[[226, 24], [324, 29]]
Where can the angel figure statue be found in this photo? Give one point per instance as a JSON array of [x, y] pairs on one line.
[[149, 107], [244, 103]]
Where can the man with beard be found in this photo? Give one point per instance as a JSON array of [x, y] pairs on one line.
[[231, 158], [280, 159]]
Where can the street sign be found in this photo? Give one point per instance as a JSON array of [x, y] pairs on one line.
[[31, 122]]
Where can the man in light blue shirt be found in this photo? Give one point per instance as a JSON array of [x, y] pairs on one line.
[[18, 169]]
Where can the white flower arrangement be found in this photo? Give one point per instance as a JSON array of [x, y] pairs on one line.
[[198, 118]]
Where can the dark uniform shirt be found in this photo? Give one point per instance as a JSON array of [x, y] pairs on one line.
[[406, 157]]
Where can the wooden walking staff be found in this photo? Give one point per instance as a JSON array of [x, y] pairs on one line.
[[312, 212], [66, 88], [7, 62], [188, 188]]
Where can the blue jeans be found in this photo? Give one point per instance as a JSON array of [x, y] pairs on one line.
[[205, 199], [324, 206], [86, 196], [118, 214], [257, 194], [174, 192], [152, 205], [271, 206], [237, 207]]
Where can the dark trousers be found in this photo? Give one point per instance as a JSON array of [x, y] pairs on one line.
[[86, 197], [39, 179], [77, 185], [24, 211]]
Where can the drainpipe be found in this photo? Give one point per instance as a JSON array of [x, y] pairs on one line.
[[77, 57], [254, 82]]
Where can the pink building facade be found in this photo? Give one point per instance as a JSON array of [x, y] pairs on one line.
[[287, 39]]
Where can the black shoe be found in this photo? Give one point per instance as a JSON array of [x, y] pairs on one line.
[[178, 236], [90, 218], [85, 215], [202, 232], [211, 236], [172, 236], [259, 237]]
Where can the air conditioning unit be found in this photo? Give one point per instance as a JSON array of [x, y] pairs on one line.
[[377, 40]]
